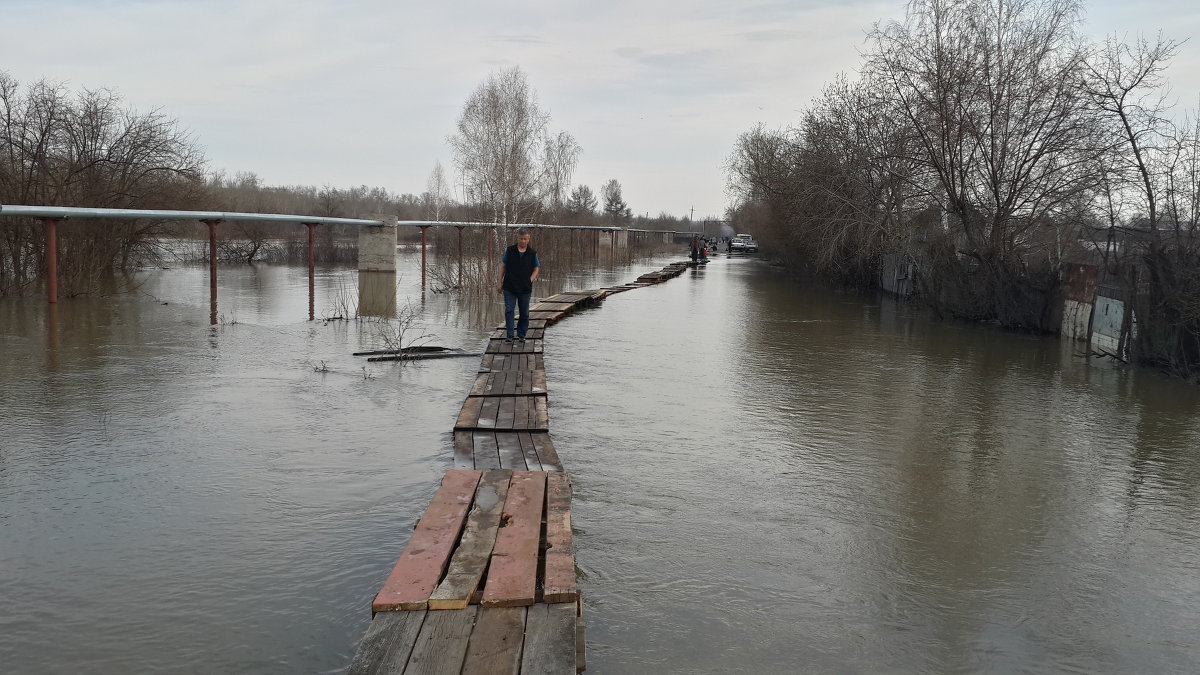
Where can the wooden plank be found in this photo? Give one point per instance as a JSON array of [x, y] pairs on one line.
[[421, 564], [542, 415], [533, 334], [533, 323], [495, 647], [470, 559], [558, 579], [486, 454], [530, 452], [546, 452], [442, 644], [487, 413], [468, 417], [494, 363], [388, 643], [529, 346], [521, 417], [545, 306], [483, 382], [549, 639], [512, 574], [464, 450], [537, 382], [506, 411], [511, 456]]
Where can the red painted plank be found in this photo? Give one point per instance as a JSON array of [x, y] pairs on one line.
[[423, 561], [512, 576]]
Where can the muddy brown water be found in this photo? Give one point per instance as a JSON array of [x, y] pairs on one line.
[[769, 478]]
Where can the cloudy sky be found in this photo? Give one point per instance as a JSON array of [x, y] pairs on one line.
[[365, 92]]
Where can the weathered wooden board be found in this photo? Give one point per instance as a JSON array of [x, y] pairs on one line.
[[388, 643], [530, 451], [545, 306], [511, 456], [469, 413], [558, 579], [464, 450], [549, 639], [487, 455], [424, 559], [495, 647], [547, 456], [497, 362], [513, 571], [527, 346], [465, 572], [596, 294], [503, 413], [510, 383], [548, 317], [442, 644], [532, 334], [533, 323]]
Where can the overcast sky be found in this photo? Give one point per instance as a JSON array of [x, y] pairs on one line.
[[365, 92]]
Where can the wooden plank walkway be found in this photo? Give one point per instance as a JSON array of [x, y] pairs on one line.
[[486, 582]]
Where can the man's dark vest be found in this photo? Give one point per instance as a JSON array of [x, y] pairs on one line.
[[518, 270]]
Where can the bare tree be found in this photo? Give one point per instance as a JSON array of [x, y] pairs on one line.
[[1002, 133], [501, 134], [88, 149], [1126, 83], [560, 158], [437, 193]]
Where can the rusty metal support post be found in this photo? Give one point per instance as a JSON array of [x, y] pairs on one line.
[[312, 267], [51, 259], [212, 251], [424, 229], [212, 269], [491, 237], [460, 254]]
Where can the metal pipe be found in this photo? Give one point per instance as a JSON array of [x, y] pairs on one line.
[[51, 225], [66, 212]]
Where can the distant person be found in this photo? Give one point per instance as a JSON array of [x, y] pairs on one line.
[[518, 269], [695, 248]]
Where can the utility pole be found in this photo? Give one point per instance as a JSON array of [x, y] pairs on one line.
[[693, 214]]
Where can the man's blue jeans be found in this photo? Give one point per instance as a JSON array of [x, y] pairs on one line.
[[520, 300]]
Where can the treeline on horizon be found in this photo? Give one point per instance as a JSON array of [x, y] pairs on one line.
[[87, 148], [987, 144]]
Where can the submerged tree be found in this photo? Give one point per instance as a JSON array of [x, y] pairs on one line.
[[87, 149]]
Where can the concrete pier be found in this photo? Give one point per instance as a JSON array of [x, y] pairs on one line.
[[377, 245]]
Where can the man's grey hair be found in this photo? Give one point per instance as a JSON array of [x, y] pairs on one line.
[[522, 232]]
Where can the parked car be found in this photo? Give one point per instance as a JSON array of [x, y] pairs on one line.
[[743, 243]]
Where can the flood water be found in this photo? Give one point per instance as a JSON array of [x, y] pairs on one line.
[[768, 478]]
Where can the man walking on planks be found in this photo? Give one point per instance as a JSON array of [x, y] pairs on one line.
[[518, 268]]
